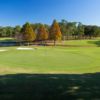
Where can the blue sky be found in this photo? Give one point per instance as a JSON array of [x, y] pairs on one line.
[[17, 12]]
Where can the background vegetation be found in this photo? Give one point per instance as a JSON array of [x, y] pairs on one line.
[[63, 30]]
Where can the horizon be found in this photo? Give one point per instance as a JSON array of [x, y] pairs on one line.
[[18, 12]]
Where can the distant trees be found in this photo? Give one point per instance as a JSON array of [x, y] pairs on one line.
[[55, 33], [17, 33], [96, 31], [63, 26], [80, 30], [17, 30], [6, 31], [68, 29], [92, 31], [76, 30], [2, 32]]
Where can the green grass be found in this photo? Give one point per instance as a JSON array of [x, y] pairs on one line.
[[51, 73], [7, 39], [50, 87], [50, 60], [87, 43]]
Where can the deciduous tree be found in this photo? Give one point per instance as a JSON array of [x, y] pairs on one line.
[[27, 32], [42, 33], [55, 32]]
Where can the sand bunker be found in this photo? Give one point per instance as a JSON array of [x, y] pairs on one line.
[[23, 48], [3, 50]]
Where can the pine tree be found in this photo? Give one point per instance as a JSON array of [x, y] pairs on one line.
[[55, 33], [27, 32]]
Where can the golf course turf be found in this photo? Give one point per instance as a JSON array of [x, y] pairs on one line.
[[50, 60], [50, 72]]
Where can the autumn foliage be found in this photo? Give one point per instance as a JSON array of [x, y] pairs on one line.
[[27, 33], [55, 33], [42, 33]]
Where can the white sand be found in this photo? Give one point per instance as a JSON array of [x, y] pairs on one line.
[[3, 50], [23, 48]]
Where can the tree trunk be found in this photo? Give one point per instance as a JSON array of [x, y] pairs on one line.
[[45, 42], [28, 43], [54, 42]]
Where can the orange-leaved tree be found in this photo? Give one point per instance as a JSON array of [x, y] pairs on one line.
[[55, 32], [42, 34], [27, 32]]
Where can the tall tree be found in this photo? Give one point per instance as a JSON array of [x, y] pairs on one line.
[[55, 32], [27, 33], [42, 33]]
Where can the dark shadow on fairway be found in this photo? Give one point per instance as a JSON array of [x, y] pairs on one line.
[[50, 87], [97, 43]]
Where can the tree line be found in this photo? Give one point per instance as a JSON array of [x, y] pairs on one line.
[[62, 30], [76, 30]]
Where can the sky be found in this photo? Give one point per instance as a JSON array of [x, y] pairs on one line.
[[17, 12]]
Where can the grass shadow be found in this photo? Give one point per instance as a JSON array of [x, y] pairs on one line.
[[50, 87], [97, 43]]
